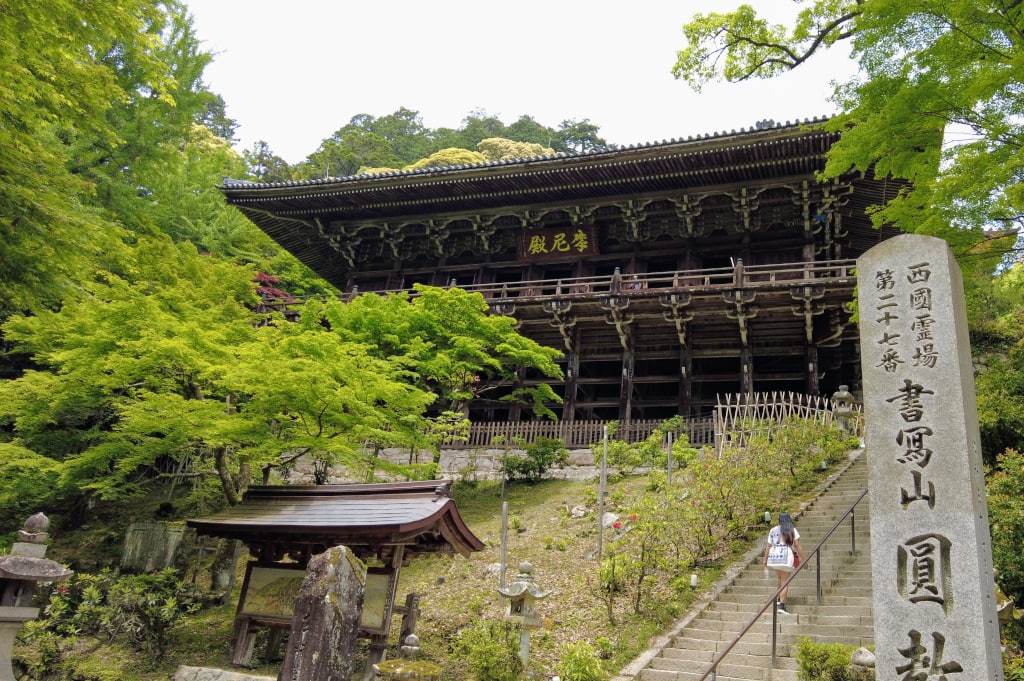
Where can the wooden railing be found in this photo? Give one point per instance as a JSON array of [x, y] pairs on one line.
[[649, 284], [580, 434], [653, 283], [736, 419]]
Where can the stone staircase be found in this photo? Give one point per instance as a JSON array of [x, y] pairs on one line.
[[845, 613]]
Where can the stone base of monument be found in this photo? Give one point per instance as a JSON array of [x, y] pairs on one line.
[[202, 674]]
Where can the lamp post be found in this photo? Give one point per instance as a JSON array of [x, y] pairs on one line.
[[524, 594]]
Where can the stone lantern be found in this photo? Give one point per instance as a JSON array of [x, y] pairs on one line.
[[20, 572], [524, 594], [842, 408]]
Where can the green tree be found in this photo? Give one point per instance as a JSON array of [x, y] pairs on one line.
[[526, 129], [479, 125], [263, 165], [579, 136], [997, 330], [347, 152], [149, 337], [309, 390], [937, 100], [1005, 487], [450, 344], [405, 132], [54, 90], [94, 95]]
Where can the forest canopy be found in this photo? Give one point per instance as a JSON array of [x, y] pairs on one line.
[[137, 346]]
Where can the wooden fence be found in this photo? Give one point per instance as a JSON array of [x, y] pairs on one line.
[[739, 416], [581, 434], [736, 417]]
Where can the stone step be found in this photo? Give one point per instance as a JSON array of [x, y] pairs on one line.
[[727, 666], [765, 675], [845, 613]]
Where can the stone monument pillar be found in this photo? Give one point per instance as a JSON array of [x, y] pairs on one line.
[[322, 642], [931, 554], [20, 571]]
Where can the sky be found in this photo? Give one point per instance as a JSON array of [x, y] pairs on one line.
[[292, 73]]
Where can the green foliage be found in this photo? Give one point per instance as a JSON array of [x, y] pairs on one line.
[[95, 117], [1005, 488], [539, 456], [449, 343], [580, 662], [997, 335], [137, 609], [1013, 649], [489, 651], [579, 136], [647, 545], [1013, 668], [828, 662], [937, 102], [29, 483], [628, 457], [723, 494], [368, 144], [800, 446]]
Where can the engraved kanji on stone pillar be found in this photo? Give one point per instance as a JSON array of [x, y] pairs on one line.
[[931, 553]]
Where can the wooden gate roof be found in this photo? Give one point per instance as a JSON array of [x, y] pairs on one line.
[[371, 520]]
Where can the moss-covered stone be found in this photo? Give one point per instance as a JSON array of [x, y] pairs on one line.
[[392, 670]]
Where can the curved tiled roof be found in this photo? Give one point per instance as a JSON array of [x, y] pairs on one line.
[[418, 515], [230, 183]]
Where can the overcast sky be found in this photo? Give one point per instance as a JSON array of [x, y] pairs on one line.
[[294, 72]]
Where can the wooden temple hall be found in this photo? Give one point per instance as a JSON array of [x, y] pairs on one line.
[[668, 273]]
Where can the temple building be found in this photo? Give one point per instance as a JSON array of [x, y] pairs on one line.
[[668, 273]]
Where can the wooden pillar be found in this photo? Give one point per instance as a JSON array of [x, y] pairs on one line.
[[811, 367], [685, 381], [746, 371], [626, 387], [572, 370]]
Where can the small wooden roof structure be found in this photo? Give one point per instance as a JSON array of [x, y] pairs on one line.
[[391, 522]]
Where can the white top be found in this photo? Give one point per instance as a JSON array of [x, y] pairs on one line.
[[775, 536]]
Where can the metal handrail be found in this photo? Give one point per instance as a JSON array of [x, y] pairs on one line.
[[773, 602]]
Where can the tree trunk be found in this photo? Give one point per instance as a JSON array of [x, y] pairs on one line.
[[227, 480]]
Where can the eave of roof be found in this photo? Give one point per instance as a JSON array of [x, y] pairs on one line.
[[344, 514]]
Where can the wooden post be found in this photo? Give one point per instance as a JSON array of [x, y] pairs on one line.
[[410, 616]]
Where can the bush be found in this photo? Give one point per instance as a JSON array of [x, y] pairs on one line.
[[828, 662], [541, 455], [580, 663], [490, 650], [138, 609], [1006, 515]]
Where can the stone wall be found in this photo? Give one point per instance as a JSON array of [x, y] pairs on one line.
[[456, 464]]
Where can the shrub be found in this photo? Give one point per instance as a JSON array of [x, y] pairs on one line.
[[828, 662], [580, 663], [490, 650], [541, 455], [138, 609], [1006, 515]]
